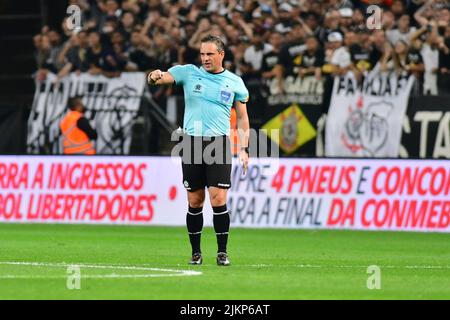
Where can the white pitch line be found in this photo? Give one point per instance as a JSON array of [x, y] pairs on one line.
[[306, 266], [178, 273], [347, 266], [171, 272], [106, 276]]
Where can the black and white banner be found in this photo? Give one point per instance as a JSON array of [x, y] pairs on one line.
[[426, 128], [112, 105], [299, 90], [295, 89], [365, 119]]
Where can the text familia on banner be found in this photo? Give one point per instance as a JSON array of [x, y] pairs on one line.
[[111, 106], [365, 118]]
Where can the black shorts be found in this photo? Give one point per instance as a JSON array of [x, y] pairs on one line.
[[206, 162]]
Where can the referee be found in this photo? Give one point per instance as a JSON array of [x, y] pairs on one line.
[[209, 91]]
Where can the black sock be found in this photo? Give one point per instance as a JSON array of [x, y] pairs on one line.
[[221, 222], [194, 222]]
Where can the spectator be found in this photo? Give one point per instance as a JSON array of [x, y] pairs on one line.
[[291, 53], [401, 53], [188, 55], [109, 26], [346, 19], [330, 24], [403, 31], [285, 17], [443, 19], [389, 59], [55, 47], [163, 52], [388, 20], [204, 26], [110, 11], [46, 55], [253, 55], [360, 50], [101, 58], [240, 24], [258, 23], [426, 12], [359, 20], [431, 53], [312, 59], [42, 54], [75, 55], [170, 33], [119, 48], [311, 20], [271, 58], [444, 63], [340, 57], [127, 24], [414, 61], [48, 45], [131, 6], [377, 40], [139, 53], [398, 8]]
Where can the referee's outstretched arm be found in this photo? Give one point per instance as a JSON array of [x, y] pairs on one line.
[[158, 77]]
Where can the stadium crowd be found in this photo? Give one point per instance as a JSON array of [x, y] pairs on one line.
[[264, 39]]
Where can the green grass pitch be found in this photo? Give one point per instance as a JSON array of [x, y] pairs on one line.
[[128, 262]]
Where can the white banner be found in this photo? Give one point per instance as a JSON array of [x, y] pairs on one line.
[[365, 119], [112, 105], [361, 194], [402, 195], [98, 189]]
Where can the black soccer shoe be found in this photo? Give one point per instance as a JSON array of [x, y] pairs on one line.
[[196, 259], [222, 259]]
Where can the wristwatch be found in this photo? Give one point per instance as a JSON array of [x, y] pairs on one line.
[[246, 149]]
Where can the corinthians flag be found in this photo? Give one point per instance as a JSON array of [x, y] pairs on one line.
[[365, 119], [295, 129]]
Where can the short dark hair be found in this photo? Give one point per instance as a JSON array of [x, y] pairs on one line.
[[93, 31], [74, 102], [311, 36], [216, 40]]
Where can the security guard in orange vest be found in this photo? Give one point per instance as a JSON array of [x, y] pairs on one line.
[[77, 133]]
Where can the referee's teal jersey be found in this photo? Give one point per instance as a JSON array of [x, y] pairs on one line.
[[208, 99]]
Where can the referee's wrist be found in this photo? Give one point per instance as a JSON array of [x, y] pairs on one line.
[[246, 149], [151, 81]]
